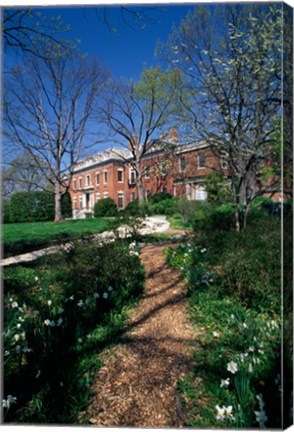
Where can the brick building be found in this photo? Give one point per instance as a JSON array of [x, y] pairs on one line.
[[168, 166]]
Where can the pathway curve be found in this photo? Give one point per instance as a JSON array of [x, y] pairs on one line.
[[137, 384]]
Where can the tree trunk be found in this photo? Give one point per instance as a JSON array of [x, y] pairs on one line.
[[245, 215], [140, 187], [57, 194]]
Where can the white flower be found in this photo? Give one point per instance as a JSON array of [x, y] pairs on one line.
[[220, 412], [16, 337], [36, 278], [250, 368], [251, 349], [47, 322], [96, 295], [232, 367], [260, 400], [80, 340], [110, 288], [228, 411], [216, 334], [49, 302], [232, 316], [14, 304], [7, 402], [105, 295], [245, 325], [203, 250], [81, 303], [261, 351], [225, 383], [18, 325]]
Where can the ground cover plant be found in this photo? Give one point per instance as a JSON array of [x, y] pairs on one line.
[[59, 313], [23, 237], [235, 302]]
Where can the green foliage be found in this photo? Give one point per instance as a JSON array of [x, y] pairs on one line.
[[66, 205], [167, 206], [105, 207], [217, 188], [31, 207], [235, 302], [6, 212], [158, 197], [58, 314], [186, 208]]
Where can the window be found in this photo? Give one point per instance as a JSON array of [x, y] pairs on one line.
[[75, 203], [88, 180], [105, 195], [148, 193], [81, 202], [147, 171], [97, 178], [120, 177], [97, 196], [120, 202], [182, 164], [133, 197], [132, 176], [105, 176], [80, 182], [201, 194], [201, 160], [224, 160], [163, 168], [75, 184]]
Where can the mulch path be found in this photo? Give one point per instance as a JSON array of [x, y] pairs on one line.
[[137, 384]]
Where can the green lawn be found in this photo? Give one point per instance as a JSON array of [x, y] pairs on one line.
[[23, 237]]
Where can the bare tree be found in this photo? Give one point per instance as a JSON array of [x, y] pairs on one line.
[[230, 57], [135, 112], [27, 30], [48, 111]]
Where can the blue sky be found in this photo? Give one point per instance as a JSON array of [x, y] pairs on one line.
[[126, 51]]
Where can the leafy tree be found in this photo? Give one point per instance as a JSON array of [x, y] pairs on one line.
[[217, 188], [230, 56], [48, 111], [135, 111]]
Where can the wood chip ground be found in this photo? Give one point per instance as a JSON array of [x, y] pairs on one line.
[[137, 384]]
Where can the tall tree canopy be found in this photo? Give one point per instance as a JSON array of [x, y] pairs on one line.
[[136, 111], [48, 110], [230, 56]]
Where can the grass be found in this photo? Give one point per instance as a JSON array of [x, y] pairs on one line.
[[25, 237], [176, 222]]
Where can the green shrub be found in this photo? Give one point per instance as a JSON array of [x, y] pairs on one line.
[[66, 205], [6, 218], [217, 188], [32, 207], [105, 207], [56, 311], [159, 196], [186, 208], [135, 208], [168, 206]]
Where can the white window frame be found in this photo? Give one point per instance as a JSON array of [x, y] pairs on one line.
[[122, 175], [147, 171], [80, 182], [75, 203], [120, 195], [181, 169], [88, 180], [132, 174], [97, 176], [81, 203], [105, 195], [75, 184], [201, 194], [133, 196], [200, 166], [97, 196], [105, 174]]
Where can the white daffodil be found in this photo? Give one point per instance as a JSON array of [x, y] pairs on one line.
[[220, 412], [225, 383], [49, 302], [14, 305], [216, 334], [232, 367], [105, 295], [228, 411], [7, 402]]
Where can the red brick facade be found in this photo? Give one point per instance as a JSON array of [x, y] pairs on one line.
[[180, 172]]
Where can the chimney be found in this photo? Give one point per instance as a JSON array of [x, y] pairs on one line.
[[173, 135]]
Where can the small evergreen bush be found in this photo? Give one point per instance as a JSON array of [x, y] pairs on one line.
[[105, 207]]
